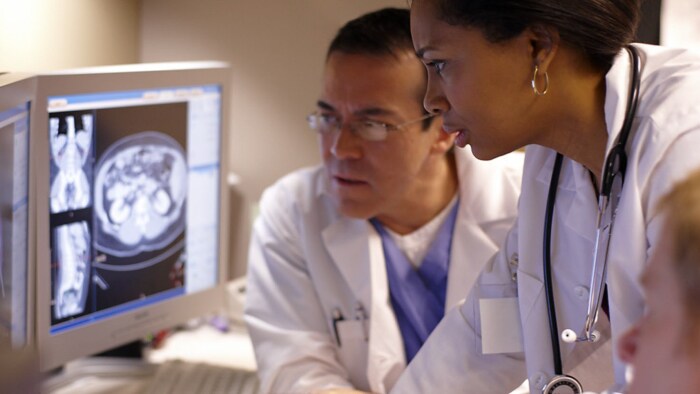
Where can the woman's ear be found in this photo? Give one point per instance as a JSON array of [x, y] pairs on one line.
[[544, 44]]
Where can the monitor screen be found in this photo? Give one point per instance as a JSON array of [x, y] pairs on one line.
[[133, 209], [15, 103]]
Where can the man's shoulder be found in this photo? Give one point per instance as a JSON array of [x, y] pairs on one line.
[[507, 168], [300, 189], [301, 181]]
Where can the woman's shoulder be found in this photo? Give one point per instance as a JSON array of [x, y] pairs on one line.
[[670, 84]]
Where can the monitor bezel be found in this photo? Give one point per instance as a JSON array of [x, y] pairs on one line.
[[58, 349], [18, 89]]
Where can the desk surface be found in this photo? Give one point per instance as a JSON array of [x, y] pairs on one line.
[[208, 345]]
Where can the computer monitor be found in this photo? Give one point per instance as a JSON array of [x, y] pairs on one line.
[[131, 206], [16, 234]]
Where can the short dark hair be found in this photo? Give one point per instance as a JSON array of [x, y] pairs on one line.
[[600, 28], [385, 32], [382, 32]]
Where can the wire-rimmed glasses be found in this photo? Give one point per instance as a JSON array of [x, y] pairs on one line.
[[370, 130]]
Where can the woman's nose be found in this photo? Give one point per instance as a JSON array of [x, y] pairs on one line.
[[434, 100]]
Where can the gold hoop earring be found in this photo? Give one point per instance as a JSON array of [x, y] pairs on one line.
[[534, 83]]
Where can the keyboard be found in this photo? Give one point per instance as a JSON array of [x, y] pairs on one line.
[[181, 377]]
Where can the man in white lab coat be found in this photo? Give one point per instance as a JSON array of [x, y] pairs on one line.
[[353, 263]]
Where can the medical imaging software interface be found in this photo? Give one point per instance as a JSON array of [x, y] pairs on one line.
[[134, 197], [14, 190]]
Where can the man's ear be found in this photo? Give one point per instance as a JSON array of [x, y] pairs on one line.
[[544, 43], [443, 141]]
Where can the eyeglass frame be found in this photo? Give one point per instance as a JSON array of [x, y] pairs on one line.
[[313, 121]]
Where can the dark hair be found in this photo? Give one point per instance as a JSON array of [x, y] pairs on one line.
[[385, 32], [382, 32], [600, 28]]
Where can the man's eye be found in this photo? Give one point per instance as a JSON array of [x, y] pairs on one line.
[[372, 123], [328, 119]]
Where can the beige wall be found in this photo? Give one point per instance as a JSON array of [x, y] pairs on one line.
[[276, 49], [42, 35]]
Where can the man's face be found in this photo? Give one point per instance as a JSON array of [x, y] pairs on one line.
[[373, 178], [657, 347]]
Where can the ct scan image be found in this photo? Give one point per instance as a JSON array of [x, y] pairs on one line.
[[132, 223]]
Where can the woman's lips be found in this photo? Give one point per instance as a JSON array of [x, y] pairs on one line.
[[462, 139]]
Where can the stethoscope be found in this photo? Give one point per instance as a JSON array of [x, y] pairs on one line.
[[613, 179]]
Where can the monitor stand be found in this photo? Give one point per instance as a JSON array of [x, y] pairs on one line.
[[129, 350]]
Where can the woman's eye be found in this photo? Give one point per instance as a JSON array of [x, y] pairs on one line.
[[437, 65]]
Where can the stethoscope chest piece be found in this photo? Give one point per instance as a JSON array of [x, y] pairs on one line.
[[563, 384]]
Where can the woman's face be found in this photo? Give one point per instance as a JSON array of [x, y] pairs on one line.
[[483, 89]]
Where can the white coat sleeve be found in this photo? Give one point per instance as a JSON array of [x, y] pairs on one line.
[[451, 361], [293, 348]]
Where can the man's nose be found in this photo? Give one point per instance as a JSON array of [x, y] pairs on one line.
[[346, 144]]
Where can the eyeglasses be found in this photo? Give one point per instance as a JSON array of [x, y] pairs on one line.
[[369, 130]]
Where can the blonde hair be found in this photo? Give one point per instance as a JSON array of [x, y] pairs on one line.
[[682, 207]]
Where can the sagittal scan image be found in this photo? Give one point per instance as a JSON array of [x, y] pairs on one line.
[[71, 144], [72, 253], [140, 189]]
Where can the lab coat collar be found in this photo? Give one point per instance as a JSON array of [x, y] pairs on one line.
[[566, 182], [475, 176], [617, 82], [575, 190], [469, 239], [346, 238]]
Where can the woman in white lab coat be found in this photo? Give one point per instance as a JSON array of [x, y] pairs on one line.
[[553, 75]]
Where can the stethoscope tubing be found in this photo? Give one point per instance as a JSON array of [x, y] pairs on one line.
[[617, 157], [547, 247]]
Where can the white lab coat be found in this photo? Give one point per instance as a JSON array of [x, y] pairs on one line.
[[306, 260], [662, 149]]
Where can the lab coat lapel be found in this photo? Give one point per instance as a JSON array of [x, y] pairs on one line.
[[471, 245], [578, 178], [357, 251], [579, 196], [346, 242], [471, 248]]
